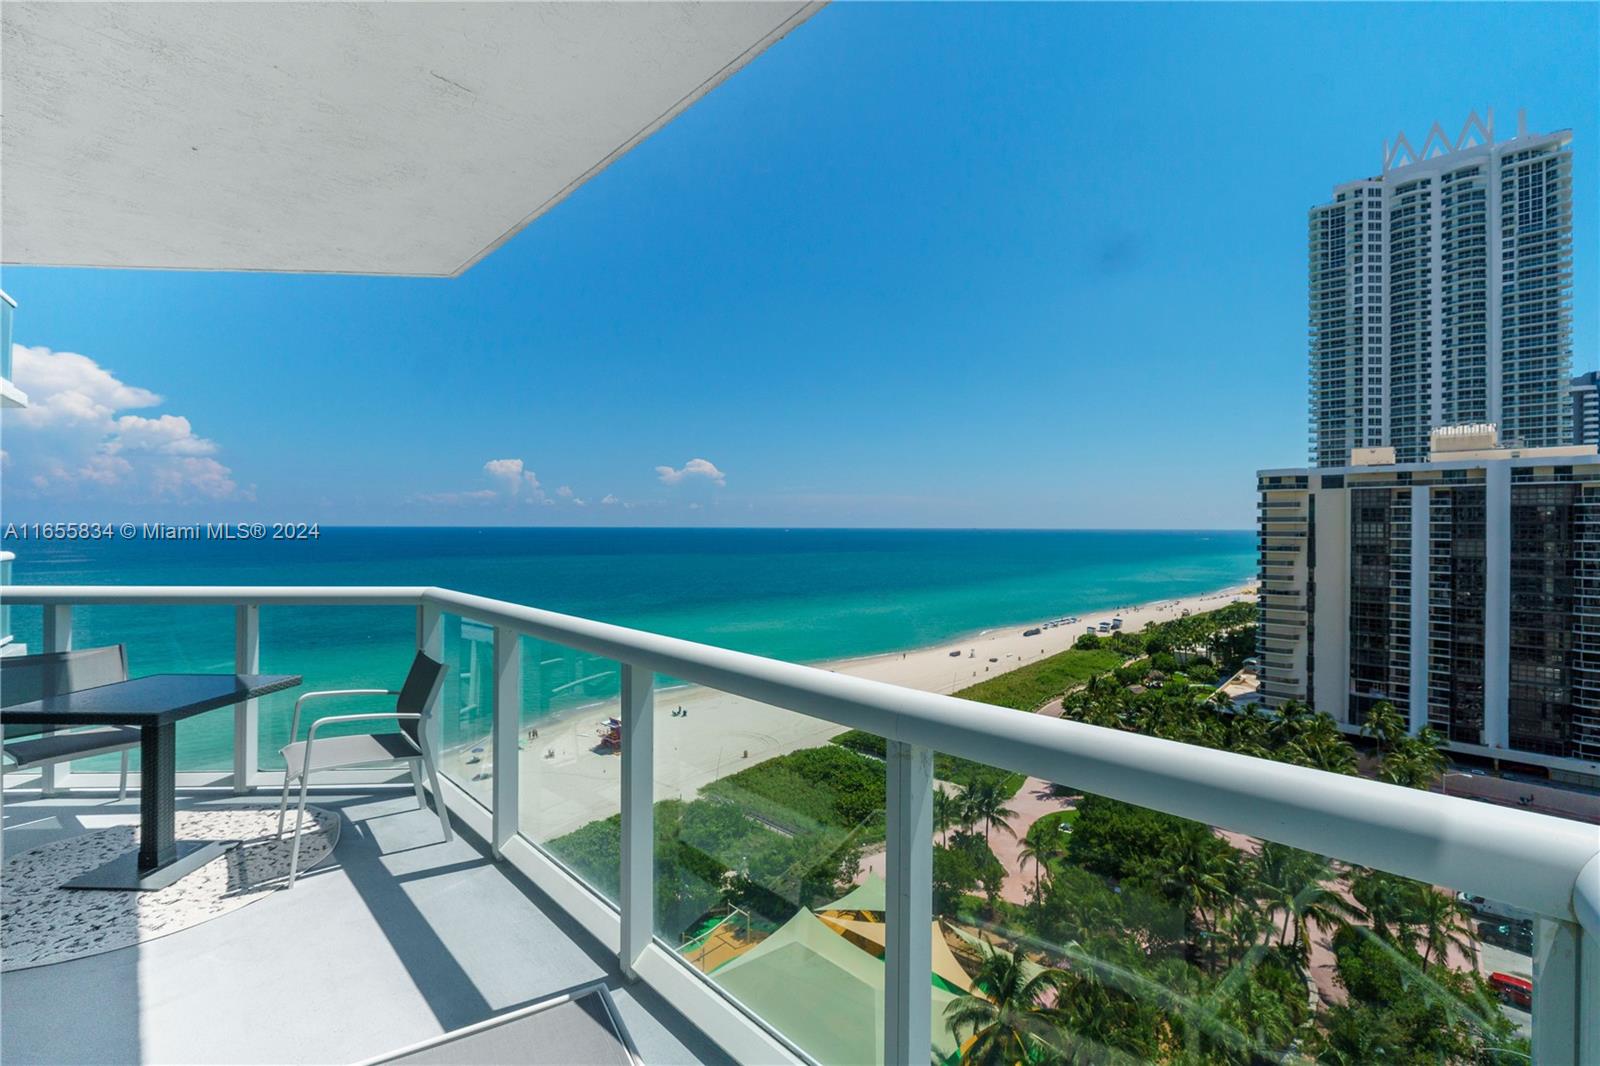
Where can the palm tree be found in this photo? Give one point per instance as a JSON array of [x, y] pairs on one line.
[[1291, 883], [984, 802], [1038, 847], [946, 809], [1201, 870], [1012, 1016], [1416, 762], [1384, 725], [1441, 923], [1333, 755], [1320, 745], [1382, 903]]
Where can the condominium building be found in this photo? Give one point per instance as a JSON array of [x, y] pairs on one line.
[[1585, 393], [1438, 294], [1464, 590]]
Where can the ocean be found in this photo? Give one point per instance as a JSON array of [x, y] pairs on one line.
[[804, 595]]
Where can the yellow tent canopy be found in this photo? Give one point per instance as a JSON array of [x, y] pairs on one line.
[[870, 936]]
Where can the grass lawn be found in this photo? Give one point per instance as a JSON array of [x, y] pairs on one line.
[[831, 786], [1022, 689], [1028, 687]]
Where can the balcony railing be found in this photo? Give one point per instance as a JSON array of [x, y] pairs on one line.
[[1546, 866]]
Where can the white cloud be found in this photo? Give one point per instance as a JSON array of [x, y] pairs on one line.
[[514, 476], [565, 492], [72, 441], [693, 468], [168, 435], [609, 500]]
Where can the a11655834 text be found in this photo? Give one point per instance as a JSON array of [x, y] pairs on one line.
[[210, 531]]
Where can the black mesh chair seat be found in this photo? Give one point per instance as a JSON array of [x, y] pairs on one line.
[[412, 701], [57, 747], [25, 678]]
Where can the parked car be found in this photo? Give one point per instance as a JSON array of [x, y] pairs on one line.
[[1517, 991], [1512, 935]]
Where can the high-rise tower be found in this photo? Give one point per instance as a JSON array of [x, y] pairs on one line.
[[1438, 295]]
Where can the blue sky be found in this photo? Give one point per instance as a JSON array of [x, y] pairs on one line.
[[918, 265]]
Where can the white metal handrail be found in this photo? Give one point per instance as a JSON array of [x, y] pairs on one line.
[[1536, 862], [1519, 857]]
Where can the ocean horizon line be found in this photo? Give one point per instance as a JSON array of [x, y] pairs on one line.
[[365, 526]]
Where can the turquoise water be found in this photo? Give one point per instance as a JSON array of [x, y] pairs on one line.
[[801, 595]]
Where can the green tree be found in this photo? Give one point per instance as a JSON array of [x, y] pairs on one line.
[[1010, 1017], [1199, 871], [1040, 847], [1441, 923], [1415, 762], [1317, 743], [1384, 725], [961, 865], [946, 811], [1398, 1013], [1292, 887], [985, 802], [1381, 902]]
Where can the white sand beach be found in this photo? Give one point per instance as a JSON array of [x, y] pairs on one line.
[[567, 779]]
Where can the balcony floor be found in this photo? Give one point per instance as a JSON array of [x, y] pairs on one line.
[[397, 938]]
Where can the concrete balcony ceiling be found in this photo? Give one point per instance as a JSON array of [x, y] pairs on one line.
[[357, 138]]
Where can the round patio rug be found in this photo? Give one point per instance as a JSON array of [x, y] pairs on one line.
[[42, 923]]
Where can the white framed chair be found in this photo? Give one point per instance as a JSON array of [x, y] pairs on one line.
[[25, 678], [302, 758]]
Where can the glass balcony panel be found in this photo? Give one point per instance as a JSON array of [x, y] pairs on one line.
[[159, 640], [6, 313], [466, 707], [332, 648], [5, 607], [769, 865], [570, 784], [1095, 930]]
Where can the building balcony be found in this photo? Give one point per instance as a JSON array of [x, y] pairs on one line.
[[10, 395], [577, 863]]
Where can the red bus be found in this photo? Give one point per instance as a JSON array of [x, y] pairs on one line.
[[1517, 991]]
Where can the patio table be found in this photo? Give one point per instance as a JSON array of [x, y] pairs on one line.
[[155, 704]]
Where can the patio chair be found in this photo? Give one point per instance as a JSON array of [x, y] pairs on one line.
[[25, 678], [302, 758]]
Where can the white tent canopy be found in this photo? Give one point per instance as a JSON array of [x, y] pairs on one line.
[[823, 992]]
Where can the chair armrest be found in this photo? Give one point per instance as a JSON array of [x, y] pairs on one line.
[[389, 716], [294, 722], [332, 719], [381, 716]]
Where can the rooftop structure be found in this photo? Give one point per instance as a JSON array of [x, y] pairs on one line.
[[1438, 294]]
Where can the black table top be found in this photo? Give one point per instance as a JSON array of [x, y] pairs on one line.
[[158, 699]]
